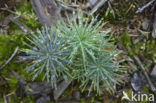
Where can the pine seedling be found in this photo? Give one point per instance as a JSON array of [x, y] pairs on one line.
[[48, 53], [92, 53]]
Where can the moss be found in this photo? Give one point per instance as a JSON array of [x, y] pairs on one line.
[[30, 17], [150, 51], [13, 27], [126, 39], [8, 44], [137, 49], [7, 47], [27, 16]]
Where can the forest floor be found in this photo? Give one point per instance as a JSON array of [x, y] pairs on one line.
[[132, 24]]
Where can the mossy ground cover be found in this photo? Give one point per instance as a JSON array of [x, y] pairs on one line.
[[8, 43]]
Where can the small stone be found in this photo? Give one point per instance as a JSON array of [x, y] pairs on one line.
[[153, 73], [137, 81]]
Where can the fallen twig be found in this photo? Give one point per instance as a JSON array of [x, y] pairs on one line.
[[21, 25], [145, 73], [153, 89], [12, 12], [12, 56], [67, 7], [99, 4], [15, 20], [61, 88], [21, 80], [145, 6]]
